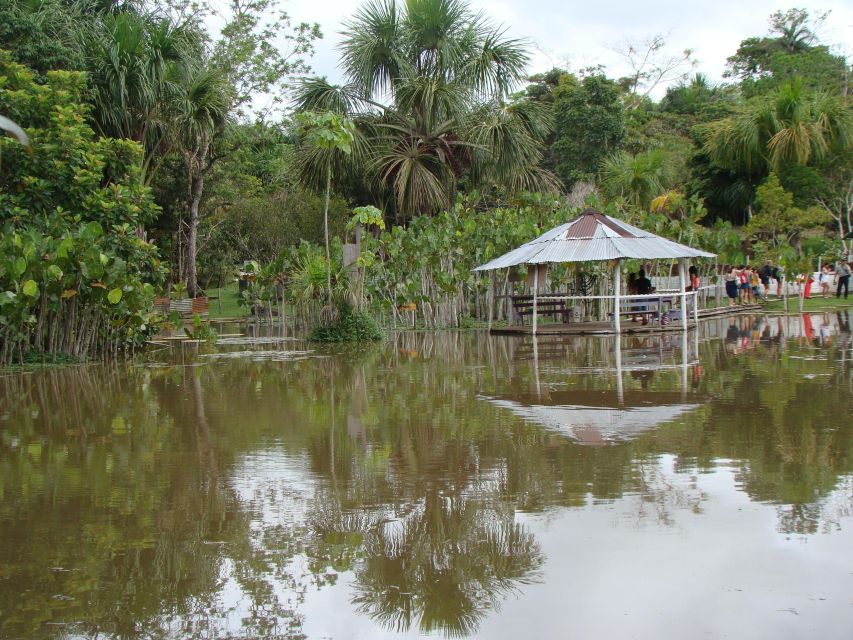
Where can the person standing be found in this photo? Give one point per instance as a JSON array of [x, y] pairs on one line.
[[731, 279], [823, 279], [842, 276], [745, 285], [764, 274]]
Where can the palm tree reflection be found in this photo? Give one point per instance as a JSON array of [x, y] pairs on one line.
[[444, 566]]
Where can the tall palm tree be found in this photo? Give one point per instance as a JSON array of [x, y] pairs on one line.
[[200, 105], [428, 85], [791, 126]]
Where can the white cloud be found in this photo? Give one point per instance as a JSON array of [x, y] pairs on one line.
[[583, 33]]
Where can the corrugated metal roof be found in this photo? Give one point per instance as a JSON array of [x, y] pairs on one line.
[[590, 237]]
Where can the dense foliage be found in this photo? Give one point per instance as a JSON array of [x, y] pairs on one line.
[[351, 326], [75, 278]]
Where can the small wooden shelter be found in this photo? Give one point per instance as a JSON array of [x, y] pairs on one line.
[[595, 237]]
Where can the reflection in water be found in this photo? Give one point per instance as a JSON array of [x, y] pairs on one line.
[[443, 567], [194, 496], [601, 417]]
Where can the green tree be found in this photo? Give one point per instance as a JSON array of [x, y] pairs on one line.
[[777, 220], [135, 62], [200, 116], [37, 32], [790, 126], [327, 134], [428, 84], [74, 278], [792, 50], [588, 125], [637, 178]]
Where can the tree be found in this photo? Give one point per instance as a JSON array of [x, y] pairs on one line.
[[328, 134], [789, 126], [651, 65], [792, 50], [260, 48], [777, 220], [135, 62], [74, 278], [201, 114], [837, 202], [637, 178], [38, 33], [428, 86], [588, 126]]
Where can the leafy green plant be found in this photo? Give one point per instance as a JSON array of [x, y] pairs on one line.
[[351, 326], [202, 330], [75, 278]]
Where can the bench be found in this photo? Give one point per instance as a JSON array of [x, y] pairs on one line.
[[557, 309]]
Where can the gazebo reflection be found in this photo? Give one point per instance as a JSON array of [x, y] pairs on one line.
[[599, 418]]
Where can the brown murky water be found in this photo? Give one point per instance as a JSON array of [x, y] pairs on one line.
[[450, 484]]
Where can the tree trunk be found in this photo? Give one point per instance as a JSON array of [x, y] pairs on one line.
[[196, 185], [326, 232]]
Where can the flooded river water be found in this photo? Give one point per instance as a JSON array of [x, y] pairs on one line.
[[444, 484]]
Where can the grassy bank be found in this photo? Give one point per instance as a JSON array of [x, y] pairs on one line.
[[228, 305], [815, 303]]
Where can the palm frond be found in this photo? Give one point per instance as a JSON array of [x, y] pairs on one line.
[[420, 182], [371, 51], [318, 94]]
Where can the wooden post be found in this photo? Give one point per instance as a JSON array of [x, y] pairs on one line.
[[682, 283], [696, 307], [535, 295], [617, 293], [620, 391]]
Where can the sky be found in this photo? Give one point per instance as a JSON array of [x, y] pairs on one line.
[[580, 34]]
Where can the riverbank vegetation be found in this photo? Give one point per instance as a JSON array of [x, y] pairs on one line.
[[167, 151]]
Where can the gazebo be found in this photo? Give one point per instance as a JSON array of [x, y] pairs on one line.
[[595, 237]]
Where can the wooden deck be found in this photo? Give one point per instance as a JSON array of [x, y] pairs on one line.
[[628, 327]]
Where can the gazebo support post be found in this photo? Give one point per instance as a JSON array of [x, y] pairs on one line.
[[696, 308], [535, 295], [682, 284], [617, 294]]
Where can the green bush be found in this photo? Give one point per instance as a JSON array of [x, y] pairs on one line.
[[351, 326], [75, 278]]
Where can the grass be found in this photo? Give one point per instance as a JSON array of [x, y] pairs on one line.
[[230, 307], [815, 303]]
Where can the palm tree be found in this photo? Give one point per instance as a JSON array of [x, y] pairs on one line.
[[134, 64], [428, 85], [200, 106], [637, 178], [791, 126]]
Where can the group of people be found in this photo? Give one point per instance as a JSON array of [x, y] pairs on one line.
[[745, 285], [639, 283]]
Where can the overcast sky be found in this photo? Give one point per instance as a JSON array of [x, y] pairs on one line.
[[580, 34]]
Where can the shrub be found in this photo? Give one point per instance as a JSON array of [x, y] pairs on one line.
[[351, 326]]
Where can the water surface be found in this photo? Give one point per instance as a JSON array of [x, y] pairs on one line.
[[444, 484]]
